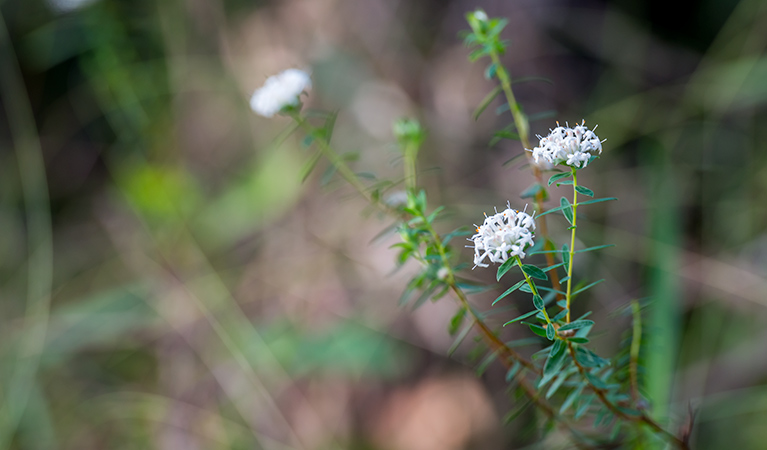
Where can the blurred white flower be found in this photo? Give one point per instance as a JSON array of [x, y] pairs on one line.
[[480, 15], [503, 235], [279, 91], [571, 146], [442, 273], [396, 199], [65, 6]]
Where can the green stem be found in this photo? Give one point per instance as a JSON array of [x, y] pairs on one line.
[[572, 245], [636, 340], [336, 160], [411, 151], [523, 127], [533, 288]]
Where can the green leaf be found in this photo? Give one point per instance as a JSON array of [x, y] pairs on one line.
[[576, 324], [327, 175], [598, 200], [486, 362], [456, 321], [578, 340], [470, 288], [508, 291], [514, 158], [538, 302], [598, 247], [566, 257], [555, 359], [469, 325], [560, 316], [540, 115], [567, 209], [513, 371], [587, 287], [486, 102], [534, 272], [584, 190], [505, 267], [309, 165], [462, 231], [550, 332], [508, 418], [574, 394], [587, 358], [537, 329], [550, 268], [565, 183], [583, 408], [561, 378], [425, 295], [531, 191], [490, 71], [559, 176], [595, 381], [503, 134], [522, 317], [558, 208]]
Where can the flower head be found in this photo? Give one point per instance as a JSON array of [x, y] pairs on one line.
[[564, 145], [279, 91], [503, 235]]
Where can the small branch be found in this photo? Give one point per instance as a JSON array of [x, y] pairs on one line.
[[572, 245], [523, 128], [533, 289], [642, 418], [636, 340]]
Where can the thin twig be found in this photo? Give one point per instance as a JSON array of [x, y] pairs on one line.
[[642, 418]]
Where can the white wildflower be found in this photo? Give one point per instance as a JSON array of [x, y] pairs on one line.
[[480, 15], [65, 6], [572, 146], [396, 199], [279, 91], [442, 273], [503, 235]]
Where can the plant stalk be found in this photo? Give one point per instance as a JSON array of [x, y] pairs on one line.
[[572, 246]]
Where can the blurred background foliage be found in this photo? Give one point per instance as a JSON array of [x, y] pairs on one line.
[[167, 280]]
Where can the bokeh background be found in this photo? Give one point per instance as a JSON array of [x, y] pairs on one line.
[[168, 281]]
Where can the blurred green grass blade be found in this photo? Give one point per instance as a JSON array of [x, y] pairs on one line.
[[664, 284]]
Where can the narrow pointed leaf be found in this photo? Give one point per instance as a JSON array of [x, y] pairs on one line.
[[598, 247], [508, 291], [575, 325], [513, 371], [550, 332], [584, 190], [597, 200], [522, 317], [560, 316], [486, 102], [531, 191], [574, 394], [537, 329], [461, 336], [567, 209], [505, 267], [559, 176], [587, 287], [534, 272]]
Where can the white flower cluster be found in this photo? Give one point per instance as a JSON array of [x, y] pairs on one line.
[[572, 146], [279, 91], [503, 235]]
